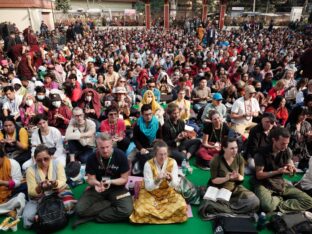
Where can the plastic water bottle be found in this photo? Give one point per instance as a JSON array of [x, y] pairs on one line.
[[261, 221], [218, 230], [131, 187], [184, 167], [83, 173]]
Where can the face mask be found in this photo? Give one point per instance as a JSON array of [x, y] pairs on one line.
[[57, 104], [29, 102], [187, 68], [258, 89], [291, 65], [204, 66], [40, 97], [149, 100], [201, 74], [88, 98]]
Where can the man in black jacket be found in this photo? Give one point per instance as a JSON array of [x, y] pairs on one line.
[[258, 138], [174, 134]]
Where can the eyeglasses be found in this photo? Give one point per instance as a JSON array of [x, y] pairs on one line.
[[40, 160], [77, 116]]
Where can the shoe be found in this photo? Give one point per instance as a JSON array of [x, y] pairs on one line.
[[136, 169]]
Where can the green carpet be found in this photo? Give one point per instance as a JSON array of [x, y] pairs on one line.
[[193, 226]]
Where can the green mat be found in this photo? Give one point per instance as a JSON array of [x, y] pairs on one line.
[[194, 225]]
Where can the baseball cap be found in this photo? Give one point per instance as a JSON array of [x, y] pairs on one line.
[[217, 96]]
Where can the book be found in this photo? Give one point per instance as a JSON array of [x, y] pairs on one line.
[[216, 194]]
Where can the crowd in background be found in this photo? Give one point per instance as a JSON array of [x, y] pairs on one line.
[[194, 86]]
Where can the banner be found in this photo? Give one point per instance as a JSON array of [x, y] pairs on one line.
[[295, 14]]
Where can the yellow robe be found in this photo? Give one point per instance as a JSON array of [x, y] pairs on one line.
[[160, 206]]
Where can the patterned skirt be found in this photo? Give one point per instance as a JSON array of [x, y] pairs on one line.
[[164, 208]]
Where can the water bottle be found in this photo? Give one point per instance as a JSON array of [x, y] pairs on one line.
[[184, 167], [131, 187], [218, 230], [261, 221], [83, 173]]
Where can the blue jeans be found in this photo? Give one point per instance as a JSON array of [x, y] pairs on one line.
[[81, 152]]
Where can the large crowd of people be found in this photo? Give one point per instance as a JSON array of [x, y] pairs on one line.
[[142, 102]]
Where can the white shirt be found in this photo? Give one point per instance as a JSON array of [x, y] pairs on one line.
[[240, 106], [149, 181], [13, 106], [16, 173], [53, 139]]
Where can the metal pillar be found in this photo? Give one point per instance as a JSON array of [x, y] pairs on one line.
[[205, 11], [222, 13], [166, 15], [148, 14]]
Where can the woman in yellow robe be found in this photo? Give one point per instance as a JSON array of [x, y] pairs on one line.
[[158, 202]]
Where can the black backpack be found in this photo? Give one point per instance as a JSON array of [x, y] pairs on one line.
[[292, 223], [51, 214], [51, 211]]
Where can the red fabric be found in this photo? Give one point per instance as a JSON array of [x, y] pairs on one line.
[[273, 93], [95, 101], [77, 92], [206, 153], [281, 114], [120, 128], [60, 124], [142, 78], [23, 70]]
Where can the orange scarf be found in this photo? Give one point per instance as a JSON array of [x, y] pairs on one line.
[[5, 174]]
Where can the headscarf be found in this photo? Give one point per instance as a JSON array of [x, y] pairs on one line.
[[95, 101], [154, 103], [150, 131]]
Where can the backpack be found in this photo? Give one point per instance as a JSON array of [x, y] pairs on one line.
[[51, 214], [50, 211], [234, 225], [292, 223]]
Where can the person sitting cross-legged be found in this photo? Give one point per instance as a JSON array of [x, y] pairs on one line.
[[80, 136], [227, 171], [272, 162], [158, 202], [106, 200]]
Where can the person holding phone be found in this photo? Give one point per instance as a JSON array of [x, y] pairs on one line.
[[106, 200], [44, 178]]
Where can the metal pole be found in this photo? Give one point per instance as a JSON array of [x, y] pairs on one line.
[[29, 17], [254, 6], [53, 16]]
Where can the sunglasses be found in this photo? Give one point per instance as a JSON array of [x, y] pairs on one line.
[[45, 159]]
